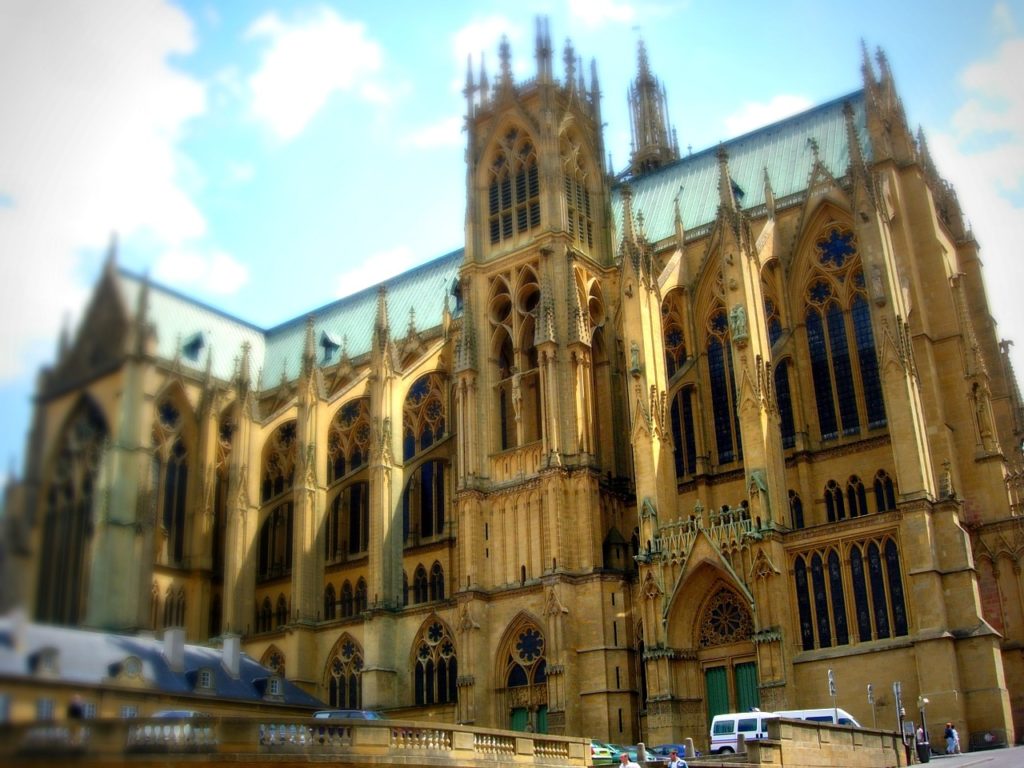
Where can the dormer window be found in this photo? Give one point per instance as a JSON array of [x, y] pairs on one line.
[[45, 662], [193, 346], [205, 680], [274, 686], [330, 345]]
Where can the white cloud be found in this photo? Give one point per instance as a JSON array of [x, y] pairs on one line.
[[1002, 19], [305, 62], [756, 114], [444, 133], [984, 159], [594, 13], [377, 268], [215, 271], [88, 144]]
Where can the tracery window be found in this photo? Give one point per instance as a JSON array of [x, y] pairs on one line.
[[512, 311], [279, 457], [170, 479], [723, 388], [265, 616], [344, 675], [724, 620], [67, 520], [513, 193], [524, 674], [683, 433], [436, 664], [579, 218], [423, 415], [885, 492], [348, 439], [874, 578], [225, 440], [838, 319], [784, 398], [281, 612], [672, 323]]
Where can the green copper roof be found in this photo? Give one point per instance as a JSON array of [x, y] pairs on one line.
[[188, 330], [784, 148]]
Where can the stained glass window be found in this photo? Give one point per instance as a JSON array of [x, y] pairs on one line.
[[885, 492], [835, 583], [860, 594], [868, 362], [899, 609], [856, 496], [796, 509], [803, 604], [821, 374], [436, 669], [820, 602], [683, 434], [879, 602], [784, 399], [835, 248]]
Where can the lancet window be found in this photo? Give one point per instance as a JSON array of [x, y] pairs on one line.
[[673, 323], [683, 433], [870, 572], [524, 672], [330, 603], [348, 523], [783, 395], [275, 544], [170, 474], [67, 521], [796, 509], [840, 339], [579, 217], [513, 192], [723, 388], [436, 665], [423, 415], [423, 502], [885, 492], [344, 674]]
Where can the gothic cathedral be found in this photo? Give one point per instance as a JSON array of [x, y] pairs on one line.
[[652, 446]]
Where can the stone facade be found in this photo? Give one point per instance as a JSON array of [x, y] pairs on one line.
[[651, 447]]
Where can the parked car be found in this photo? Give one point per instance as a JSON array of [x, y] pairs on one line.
[[179, 714], [600, 753], [664, 750], [348, 714]]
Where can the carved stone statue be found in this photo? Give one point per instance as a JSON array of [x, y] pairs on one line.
[[738, 322]]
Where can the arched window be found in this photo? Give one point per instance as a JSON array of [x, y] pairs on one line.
[[879, 599], [784, 398], [856, 496], [67, 520], [419, 585], [347, 600], [525, 667], [348, 439], [513, 193], [344, 674], [885, 492], [348, 523], [804, 604], [169, 609], [405, 588], [423, 503], [265, 617], [360, 596], [834, 508], [796, 509], [436, 666], [673, 322], [821, 609], [330, 602], [423, 415], [835, 588], [683, 433], [279, 462], [179, 608], [170, 473], [723, 388], [579, 218], [840, 338], [281, 614], [275, 545], [436, 582]]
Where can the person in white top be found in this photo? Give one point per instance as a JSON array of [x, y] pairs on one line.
[[626, 762]]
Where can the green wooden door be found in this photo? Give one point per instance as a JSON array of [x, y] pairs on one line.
[[520, 719], [542, 718], [716, 685], [748, 695]]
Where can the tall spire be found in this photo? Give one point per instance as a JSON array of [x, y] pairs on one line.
[[505, 54], [654, 144], [543, 51], [381, 332], [725, 196]]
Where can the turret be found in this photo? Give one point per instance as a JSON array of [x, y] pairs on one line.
[[654, 142]]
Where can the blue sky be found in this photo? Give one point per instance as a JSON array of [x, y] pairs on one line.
[[269, 157]]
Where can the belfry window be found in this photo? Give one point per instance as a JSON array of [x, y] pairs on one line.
[[513, 194], [579, 219]]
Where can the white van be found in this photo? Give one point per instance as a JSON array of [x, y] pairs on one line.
[[726, 728], [822, 715]]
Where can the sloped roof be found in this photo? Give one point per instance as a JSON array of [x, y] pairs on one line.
[[784, 148], [90, 657]]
